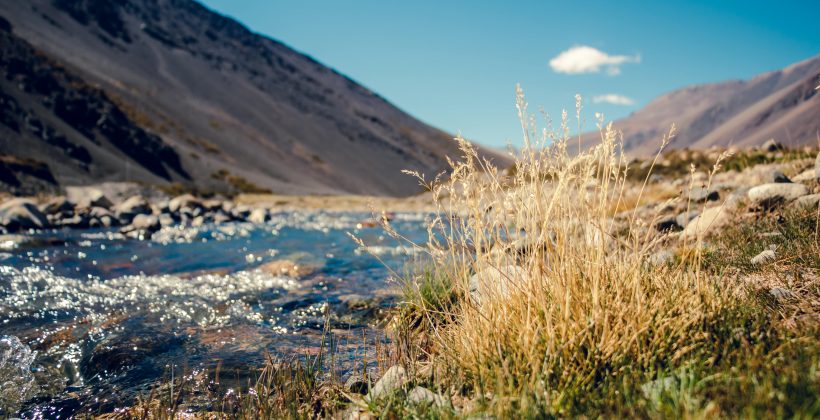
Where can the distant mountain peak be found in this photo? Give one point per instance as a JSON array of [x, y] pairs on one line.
[[780, 104]]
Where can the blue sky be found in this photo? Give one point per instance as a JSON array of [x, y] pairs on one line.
[[455, 64]]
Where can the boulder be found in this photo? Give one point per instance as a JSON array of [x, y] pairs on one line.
[[495, 282], [808, 175], [220, 217], [143, 226], [259, 215], [130, 208], [78, 221], [392, 380], [100, 217], [771, 145], [768, 196], [57, 206], [702, 195], [146, 222], [764, 257], [807, 202], [709, 221], [87, 197], [166, 220], [684, 218], [20, 214], [421, 395], [176, 204], [241, 212], [212, 205]]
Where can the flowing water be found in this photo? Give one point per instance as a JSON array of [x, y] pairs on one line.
[[89, 319]]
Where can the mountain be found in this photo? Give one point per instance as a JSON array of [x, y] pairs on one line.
[[167, 92], [783, 105]]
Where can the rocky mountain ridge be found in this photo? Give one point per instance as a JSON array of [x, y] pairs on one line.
[[783, 105], [220, 107]]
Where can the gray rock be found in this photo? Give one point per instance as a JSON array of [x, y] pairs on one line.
[[78, 221], [808, 175], [128, 209], [394, 379], [98, 212], [684, 218], [495, 282], [57, 206], [259, 215], [702, 195], [807, 202], [20, 214], [166, 220], [100, 217], [221, 217], [764, 257], [142, 227], [771, 145], [768, 196], [241, 212], [176, 204], [780, 293], [421, 395], [87, 197], [228, 206], [107, 221], [198, 221], [710, 220], [778, 177], [146, 222], [212, 205]]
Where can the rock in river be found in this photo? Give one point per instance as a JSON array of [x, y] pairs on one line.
[[20, 214]]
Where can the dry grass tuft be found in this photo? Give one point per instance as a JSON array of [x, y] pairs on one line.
[[538, 301]]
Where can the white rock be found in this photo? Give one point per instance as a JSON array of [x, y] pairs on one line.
[[183, 201], [764, 257], [421, 395], [807, 175], [710, 220], [87, 197], [21, 213], [258, 215], [496, 282], [145, 222], [392, 380], [807, 202], [774, 194]]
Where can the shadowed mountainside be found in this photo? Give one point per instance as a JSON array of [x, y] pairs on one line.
[[783, 105], [167, 91]]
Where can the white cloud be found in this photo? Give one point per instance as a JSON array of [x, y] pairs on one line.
[[613, 98], [585, 59]]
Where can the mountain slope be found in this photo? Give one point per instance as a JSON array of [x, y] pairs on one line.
[[238, 110], [782, 104]]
